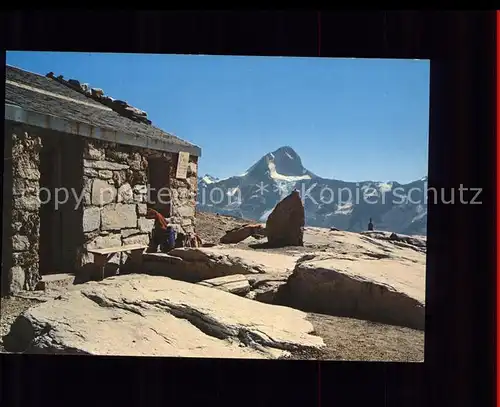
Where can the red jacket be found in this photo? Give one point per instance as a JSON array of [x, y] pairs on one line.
[[160, 221]]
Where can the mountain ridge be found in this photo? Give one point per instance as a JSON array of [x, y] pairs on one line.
[[346, 205]]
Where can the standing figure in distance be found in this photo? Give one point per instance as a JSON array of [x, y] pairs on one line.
[[370, 225]]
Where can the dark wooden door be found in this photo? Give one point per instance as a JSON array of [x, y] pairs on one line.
[[71, 178], [159, 184], [50, 215], [61, 229], [57, 236]]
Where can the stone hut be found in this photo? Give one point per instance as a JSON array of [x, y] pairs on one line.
[[80, 171]]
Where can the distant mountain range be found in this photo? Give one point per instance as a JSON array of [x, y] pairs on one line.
[[392, 206]]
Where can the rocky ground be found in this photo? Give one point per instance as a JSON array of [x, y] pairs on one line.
[[10, 309], [345, 338], [358, 340], [211, 227], [371, 260]]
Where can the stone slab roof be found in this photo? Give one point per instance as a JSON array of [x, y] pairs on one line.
[[43, 95]]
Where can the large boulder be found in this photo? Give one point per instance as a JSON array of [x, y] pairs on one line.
[[285, 224], [140, 315], [383, 290], [203, 263]]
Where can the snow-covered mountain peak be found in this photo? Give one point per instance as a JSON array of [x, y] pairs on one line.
[[208, 179], [282, 165]]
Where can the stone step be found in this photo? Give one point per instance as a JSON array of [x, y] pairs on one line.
[[56, 281], [39, 296]]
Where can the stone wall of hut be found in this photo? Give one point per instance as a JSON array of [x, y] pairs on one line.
[[115, 196], [113, 205]]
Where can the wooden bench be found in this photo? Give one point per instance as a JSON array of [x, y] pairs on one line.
[[101, 256]]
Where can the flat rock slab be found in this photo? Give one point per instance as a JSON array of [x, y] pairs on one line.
[[211, 262], [141, 315], [418, 243], [234, 284], [382, 290], [56, 281], [365, 245]]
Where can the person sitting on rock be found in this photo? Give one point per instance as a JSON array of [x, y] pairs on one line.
[[370, 225], [163, 234]]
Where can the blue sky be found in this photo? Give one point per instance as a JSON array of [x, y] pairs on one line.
[[349, 119]]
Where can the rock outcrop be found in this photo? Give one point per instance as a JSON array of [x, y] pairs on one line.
[[285, 224], [258, 287], [239, 234], [138, 315], [197, 264], [265, 287], [418, 243], [236, 284], [383, 290]]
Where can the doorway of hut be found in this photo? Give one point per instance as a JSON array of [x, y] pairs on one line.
[[159, 185], [61, 210]]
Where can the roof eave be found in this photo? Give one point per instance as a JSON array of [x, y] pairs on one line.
[[19, 115]]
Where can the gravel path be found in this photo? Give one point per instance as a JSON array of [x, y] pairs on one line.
[[356, 340]]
